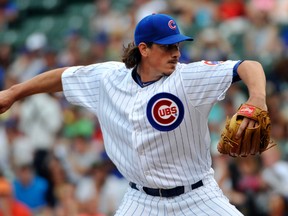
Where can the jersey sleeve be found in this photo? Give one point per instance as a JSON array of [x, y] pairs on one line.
[[206, 82], [81, 85]]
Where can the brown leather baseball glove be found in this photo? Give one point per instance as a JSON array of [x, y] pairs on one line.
[[253, 141]]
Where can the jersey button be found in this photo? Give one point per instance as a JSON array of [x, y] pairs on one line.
[[146, 173]]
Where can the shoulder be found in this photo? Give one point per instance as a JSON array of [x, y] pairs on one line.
[[115, 66], [113, 70], [40, 181], [109, 65], [97, 69], [207, 66]]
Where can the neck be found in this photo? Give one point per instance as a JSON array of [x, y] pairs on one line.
[[147, 74]]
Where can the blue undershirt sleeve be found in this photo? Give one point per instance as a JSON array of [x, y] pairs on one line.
[[236, 76]]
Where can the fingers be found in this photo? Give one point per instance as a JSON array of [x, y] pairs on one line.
[[4, 107], [246, 123], [252, 123], [242, 127], [6, 100], [3, 110]]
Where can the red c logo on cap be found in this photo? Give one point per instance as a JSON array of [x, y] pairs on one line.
[[172, 24]]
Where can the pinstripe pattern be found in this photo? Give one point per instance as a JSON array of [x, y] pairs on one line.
[[148, 156]]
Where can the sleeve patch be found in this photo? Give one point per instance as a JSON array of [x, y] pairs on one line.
[[212, 63]]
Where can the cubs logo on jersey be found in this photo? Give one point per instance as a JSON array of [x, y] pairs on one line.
[[212, 63], [165, 111]]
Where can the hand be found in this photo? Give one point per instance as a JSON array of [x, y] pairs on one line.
[[6, 100], [250, 123], [246, 123], [246, 133]]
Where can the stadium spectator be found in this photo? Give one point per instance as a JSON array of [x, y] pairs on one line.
[[43, 114], [8, 13], [9, 205], [30, 61], [30, 188]]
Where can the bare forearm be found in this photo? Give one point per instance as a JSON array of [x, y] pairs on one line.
[[47, 82], [252, 74]]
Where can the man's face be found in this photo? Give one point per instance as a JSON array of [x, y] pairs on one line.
[[163, 58]]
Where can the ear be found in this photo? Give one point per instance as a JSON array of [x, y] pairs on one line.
[[143, 48]]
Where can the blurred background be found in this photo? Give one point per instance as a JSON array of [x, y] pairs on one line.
[[52, 160]]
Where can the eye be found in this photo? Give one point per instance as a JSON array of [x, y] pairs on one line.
[[170, 46]]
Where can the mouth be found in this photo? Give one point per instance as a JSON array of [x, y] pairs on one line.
[[173, 61]]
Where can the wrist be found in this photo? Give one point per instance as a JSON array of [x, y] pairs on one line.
[[14, 92], [258, 101]]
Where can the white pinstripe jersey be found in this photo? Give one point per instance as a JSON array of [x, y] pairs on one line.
[[158, 135]]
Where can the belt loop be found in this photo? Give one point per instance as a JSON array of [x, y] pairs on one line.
[[160, 193]]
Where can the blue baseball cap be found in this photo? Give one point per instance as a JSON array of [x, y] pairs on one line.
[[160, 29]]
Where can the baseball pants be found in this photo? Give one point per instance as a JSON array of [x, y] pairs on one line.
[[206, 200]]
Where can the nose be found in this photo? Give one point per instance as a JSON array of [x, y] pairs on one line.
[[176, 51]]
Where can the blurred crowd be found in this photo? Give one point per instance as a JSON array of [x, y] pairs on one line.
[[52, 158]]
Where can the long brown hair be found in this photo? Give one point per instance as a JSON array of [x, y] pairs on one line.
[[131, 55]]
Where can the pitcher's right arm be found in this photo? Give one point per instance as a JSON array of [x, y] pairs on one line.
[[47, 82]]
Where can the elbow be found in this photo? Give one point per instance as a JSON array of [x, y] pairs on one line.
[[249, 66], [252, 63]]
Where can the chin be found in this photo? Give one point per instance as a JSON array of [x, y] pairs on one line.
[[168, 73], [169, 70], [172, 69]]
